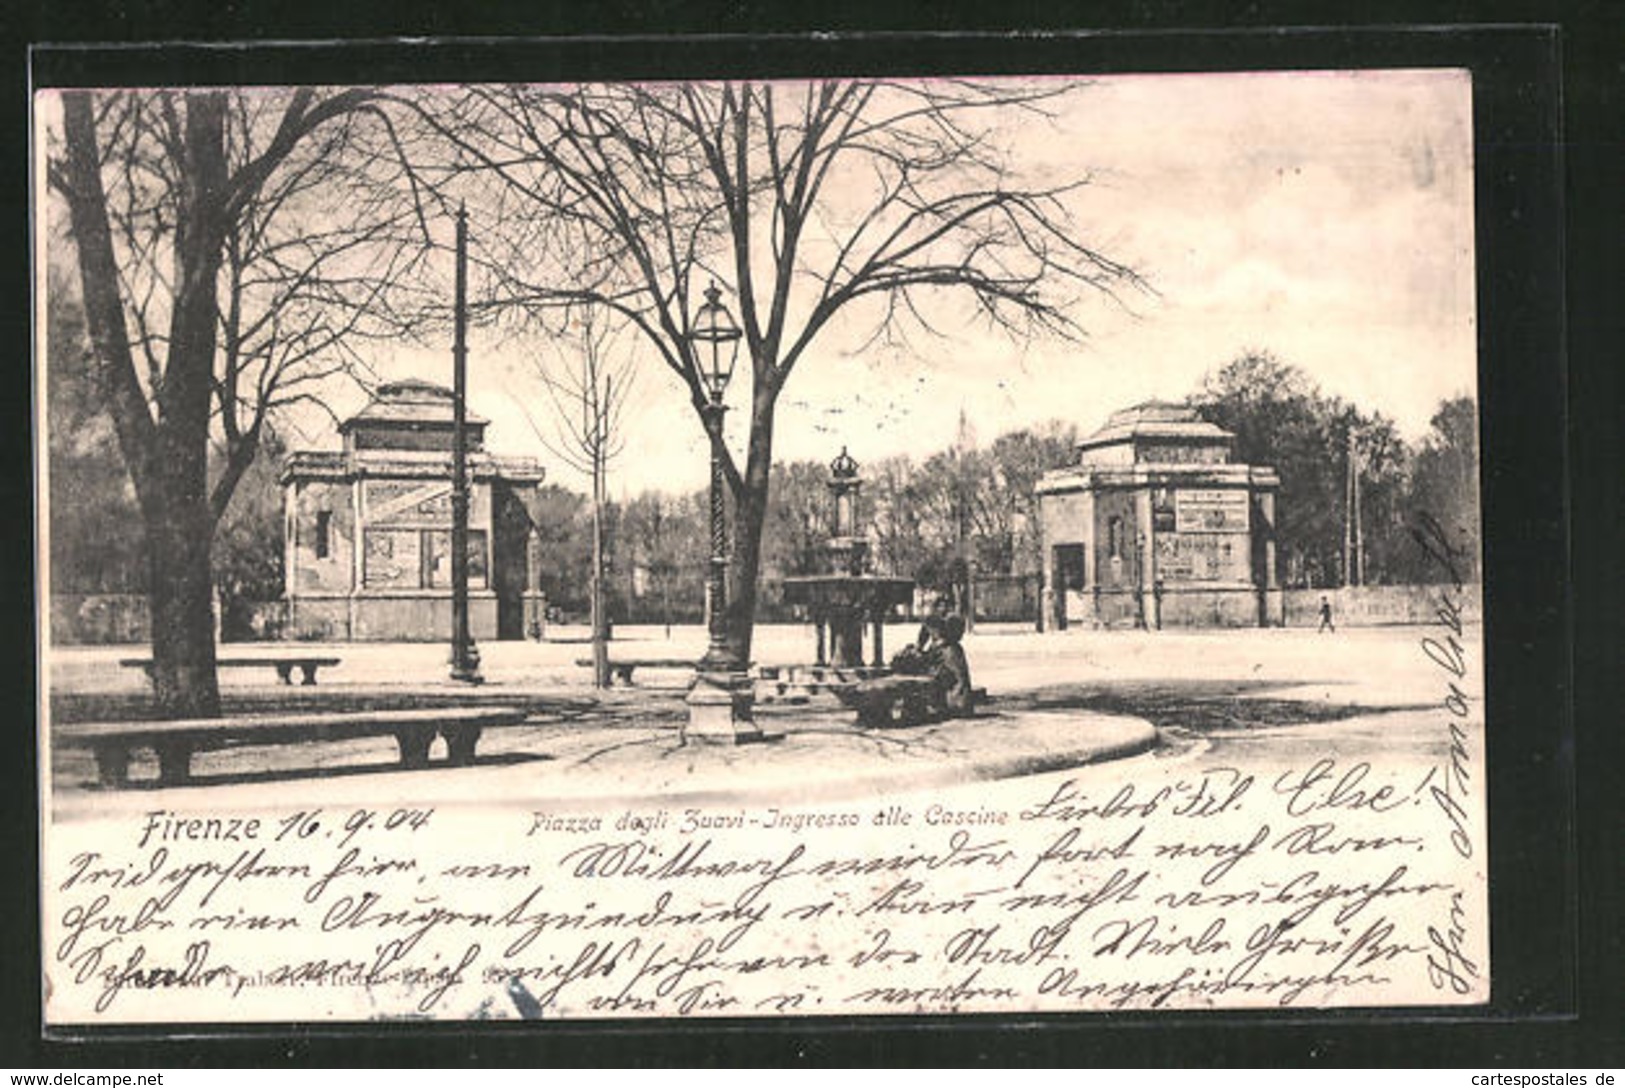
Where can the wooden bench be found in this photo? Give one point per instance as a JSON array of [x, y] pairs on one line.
[[284, 666], [899, 700], [890, 700], [174, 741], [622, 668]]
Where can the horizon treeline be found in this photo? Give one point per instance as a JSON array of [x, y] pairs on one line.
[[926, 516]]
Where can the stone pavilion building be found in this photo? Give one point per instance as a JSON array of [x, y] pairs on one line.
[[367, 529], [1155, 525]]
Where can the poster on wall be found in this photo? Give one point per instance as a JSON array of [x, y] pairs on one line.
[[1203, 557], [1199, 510], [393, 559], [408, 502]]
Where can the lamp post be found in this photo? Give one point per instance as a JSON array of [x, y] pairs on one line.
[[465, 658], [719, 703]]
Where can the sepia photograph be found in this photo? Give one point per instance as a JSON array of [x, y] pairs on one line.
[[760, 548]]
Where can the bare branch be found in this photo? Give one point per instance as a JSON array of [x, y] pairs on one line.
[[858, 198]]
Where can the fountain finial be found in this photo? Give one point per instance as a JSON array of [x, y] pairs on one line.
[[843, 467]]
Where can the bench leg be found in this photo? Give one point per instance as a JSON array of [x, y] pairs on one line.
[[112, 764], [174, 763], [625, 673], [460, 742], [285, 673], [310, 674], [414, 741]]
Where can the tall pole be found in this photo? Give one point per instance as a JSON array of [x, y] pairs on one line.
[[1348, 512], [962, 448], [465, 659], [717, 654], [720, 701], [1359, 527], [599, 423]]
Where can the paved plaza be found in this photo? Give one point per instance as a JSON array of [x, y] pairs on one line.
[[1056, 701]]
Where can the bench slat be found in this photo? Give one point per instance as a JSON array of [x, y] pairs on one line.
[[623, 667], [244, 662], [283, 664], [175, 742], [83, 734], [642, 663]]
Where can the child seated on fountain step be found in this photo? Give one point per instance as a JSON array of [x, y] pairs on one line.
[[952, 670], [942, 658]]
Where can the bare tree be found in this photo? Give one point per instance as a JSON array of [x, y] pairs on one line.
[[811, 199], [588, 395], [232, 248]]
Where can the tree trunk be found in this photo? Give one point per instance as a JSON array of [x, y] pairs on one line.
[[180, 525], [180, 530], [742, 571], [179, 597], [750, 517], [167, 457]]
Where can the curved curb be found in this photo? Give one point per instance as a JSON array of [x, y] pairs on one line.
[[826, 760], [838, 778]]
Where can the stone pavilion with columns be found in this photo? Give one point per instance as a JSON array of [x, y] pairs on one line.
[[367, 528], [1155, 525]]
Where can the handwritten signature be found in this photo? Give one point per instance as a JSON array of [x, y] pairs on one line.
[[1447, 964]]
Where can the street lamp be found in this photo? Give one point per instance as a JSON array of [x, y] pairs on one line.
[[716, 346], [719, 703], [716, 339]]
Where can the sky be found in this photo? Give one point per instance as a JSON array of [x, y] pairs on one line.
[[1324, 217]]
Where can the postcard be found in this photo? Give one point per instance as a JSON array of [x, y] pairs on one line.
[[778, 548]]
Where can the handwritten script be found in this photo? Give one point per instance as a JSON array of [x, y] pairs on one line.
[[1451, 785], [1159, 883]]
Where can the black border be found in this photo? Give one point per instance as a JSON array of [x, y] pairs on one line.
[[1522, 390]]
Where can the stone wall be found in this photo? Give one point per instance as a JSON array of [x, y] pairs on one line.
[[1121, 571], [404, 618], [1185, 606], [422, 619], [1008, 598], [105, 619], [1211, 608], [256, 621], [321, 562], [1112, 608], [99, 618], [1362, 606]]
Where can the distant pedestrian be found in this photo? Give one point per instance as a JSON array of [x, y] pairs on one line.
[[1326, 623]]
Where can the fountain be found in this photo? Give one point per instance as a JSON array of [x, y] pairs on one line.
[[847, 598]]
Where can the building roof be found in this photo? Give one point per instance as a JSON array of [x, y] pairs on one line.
[[1094, 477], [410, 403], [1161, 420], [346, 465]]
